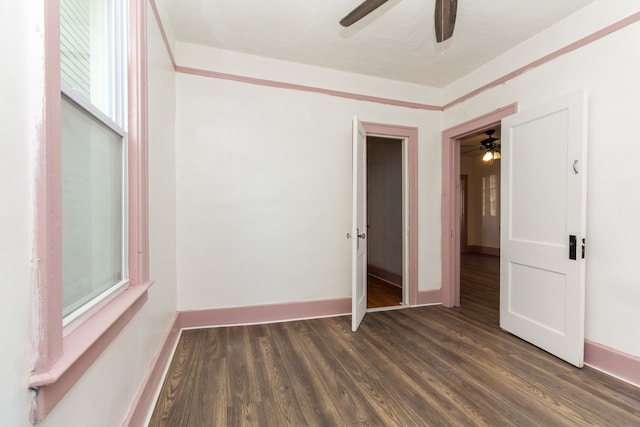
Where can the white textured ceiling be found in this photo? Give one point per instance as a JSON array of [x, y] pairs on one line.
[[397, 41]]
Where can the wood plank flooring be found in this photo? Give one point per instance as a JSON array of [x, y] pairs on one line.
[[382, 294], [425, 366]]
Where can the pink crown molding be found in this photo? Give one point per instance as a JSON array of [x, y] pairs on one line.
[[398, 103], [163, 33], [553, 55], [303, 88]]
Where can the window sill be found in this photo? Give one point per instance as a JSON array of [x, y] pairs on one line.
[[82, 347]]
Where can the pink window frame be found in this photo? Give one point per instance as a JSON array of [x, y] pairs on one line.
[[61, 360]]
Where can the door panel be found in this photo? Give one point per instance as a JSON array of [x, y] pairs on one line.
[[543, 202], [359, 226], [536, 154]]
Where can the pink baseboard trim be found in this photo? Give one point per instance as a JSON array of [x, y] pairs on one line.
[[613, 362], [144, 399], [264, 313], [484, 250], [430, 297], [386, 275]]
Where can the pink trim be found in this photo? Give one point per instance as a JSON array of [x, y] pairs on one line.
[[612, 362], [82, 347], [483, 250], [303, 88], [430, 297], [569, 48], [143, 401], [553, 55], [411, 134], [156, 14], [386, 275], [48, 226], [62, 360], [450, 215], [138, 146], [264, 313]]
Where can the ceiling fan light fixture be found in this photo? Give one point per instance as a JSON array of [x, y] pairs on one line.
[[487, 156], [496, 155]]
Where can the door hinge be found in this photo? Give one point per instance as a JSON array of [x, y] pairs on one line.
[[584, 247]]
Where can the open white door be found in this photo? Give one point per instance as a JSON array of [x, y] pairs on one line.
[[358, 227], [542, 266]]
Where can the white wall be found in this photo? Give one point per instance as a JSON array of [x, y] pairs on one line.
[[162, 172], [104, 393], [609, 69], [264, 189], [20, 103], [241, 64]]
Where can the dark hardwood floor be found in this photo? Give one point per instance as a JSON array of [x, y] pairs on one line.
[[425, 366], [382, 294]]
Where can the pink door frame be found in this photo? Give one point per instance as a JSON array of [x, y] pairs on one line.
[[409, 134], [450, 203]]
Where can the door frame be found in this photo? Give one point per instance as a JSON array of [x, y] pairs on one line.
[[450, 207], [464, 223], [409, 137]]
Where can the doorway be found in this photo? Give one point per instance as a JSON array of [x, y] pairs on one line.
[[409, 143], [451, 171], [480, 155], [385, 218], [480, 192], [542, 275]]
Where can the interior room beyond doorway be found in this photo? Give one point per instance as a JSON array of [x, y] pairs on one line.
[[385, 244], [480, 192], [480, 220]]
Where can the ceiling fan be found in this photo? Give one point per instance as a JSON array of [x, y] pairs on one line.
[[491, 145], [445, 16]]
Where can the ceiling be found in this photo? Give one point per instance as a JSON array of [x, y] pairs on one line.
[[396, 42]]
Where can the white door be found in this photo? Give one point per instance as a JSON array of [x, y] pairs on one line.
[[543, 222], [359, 225]]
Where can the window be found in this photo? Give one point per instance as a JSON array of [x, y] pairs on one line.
[[484, 196], [91, 223], [492, 195], [93, 135]]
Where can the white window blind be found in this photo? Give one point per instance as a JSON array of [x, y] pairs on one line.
[[94, 181], [75, 45], [93, 54], [92, 207]]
